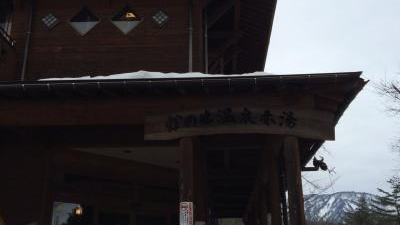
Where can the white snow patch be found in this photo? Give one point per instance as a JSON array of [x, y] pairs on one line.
[[155, 75], [323, 211]]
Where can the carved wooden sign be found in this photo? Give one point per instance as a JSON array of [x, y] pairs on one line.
[[302, 123]]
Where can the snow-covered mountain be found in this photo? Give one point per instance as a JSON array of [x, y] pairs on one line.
[[331, 207]]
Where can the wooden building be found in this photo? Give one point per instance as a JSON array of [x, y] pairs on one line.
[[157, 151]]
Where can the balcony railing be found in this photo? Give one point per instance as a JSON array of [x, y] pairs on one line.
[[7, 37]]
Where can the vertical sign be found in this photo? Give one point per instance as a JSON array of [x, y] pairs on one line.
[[186, 213]]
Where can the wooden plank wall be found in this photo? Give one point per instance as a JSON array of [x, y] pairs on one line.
[[105, 50]]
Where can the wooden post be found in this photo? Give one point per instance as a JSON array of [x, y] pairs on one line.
[[187, 170], [200, 182], [192, 183], [293, 176], [273, 148], [282, 192], [263, 205]]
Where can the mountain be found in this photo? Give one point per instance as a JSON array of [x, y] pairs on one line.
[[331, 207]]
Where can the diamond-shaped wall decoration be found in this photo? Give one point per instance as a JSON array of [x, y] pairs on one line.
[[50, 21], [160, 18], [126, 20], [84, 21]]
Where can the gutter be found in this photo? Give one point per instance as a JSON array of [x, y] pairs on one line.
[[198, 84]]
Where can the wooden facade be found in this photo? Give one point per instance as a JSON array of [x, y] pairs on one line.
[[143, 151], [229, 36]]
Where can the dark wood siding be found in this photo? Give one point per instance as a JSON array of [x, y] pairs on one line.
[[106, 50]]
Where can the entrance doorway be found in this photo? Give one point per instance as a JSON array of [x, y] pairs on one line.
[[81, 214]]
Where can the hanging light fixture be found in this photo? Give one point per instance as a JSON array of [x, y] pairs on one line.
[[78, 210]]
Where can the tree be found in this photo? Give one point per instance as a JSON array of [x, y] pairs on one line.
[[391, 89], [362, 215], [387, 206]]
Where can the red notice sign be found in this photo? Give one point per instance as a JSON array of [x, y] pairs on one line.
[[186, 213]]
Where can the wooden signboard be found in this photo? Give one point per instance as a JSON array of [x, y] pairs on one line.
[[302, 123]]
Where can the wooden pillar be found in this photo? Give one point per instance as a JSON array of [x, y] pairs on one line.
[[273, 148], [186, 193], [192, 183], [282, 192], [256, 213], [263, 205], [293, 175], [201, 183]]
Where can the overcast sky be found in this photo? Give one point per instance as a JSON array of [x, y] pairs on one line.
[[313, 36]]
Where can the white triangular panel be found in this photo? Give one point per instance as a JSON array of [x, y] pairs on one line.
[[126, 26], [83, 27]]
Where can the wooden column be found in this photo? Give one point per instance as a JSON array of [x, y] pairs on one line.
[[192, 183], [273, 148], [187, 170], [293, 176], [201, 183], [263, 205], [265, 197]]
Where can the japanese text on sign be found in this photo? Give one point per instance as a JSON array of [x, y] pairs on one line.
[[228, 116]]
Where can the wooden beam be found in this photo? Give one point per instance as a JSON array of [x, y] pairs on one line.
[[221, 34], [293, 174], [119, 111], [218, 11], [88, 136], [92, 165]]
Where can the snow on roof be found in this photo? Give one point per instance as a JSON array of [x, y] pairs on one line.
[[154, 75]]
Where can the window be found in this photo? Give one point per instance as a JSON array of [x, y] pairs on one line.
[[50, 21], [6, 9], [160, 18], [126, 20], [84, 21]]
